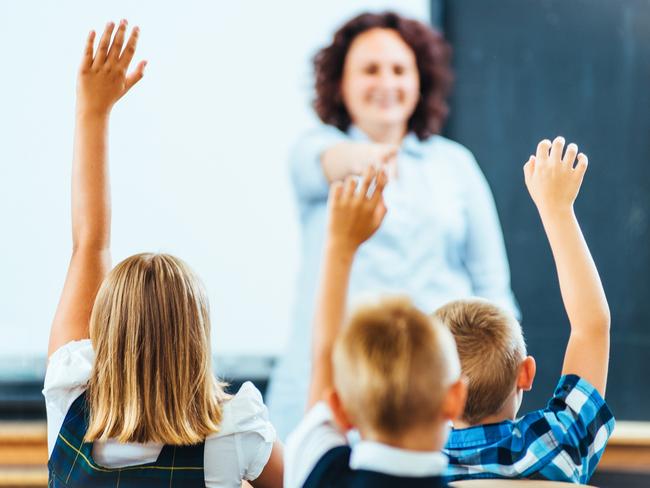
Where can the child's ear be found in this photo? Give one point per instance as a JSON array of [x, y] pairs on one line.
[[453, 405], [338, 411], [526, 374]]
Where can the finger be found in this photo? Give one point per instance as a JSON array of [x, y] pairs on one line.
[[542, 150], [349, 188], [380, 184], [129, 49], [136, 76], [366, 180], [390, 151], [581, 166], [336, 191], [557, 148], [381, 180], [118, 42], [529, 168], [87, 59], [102, 48], [386, 162], [580, 170], [570, 155], [380, 212]]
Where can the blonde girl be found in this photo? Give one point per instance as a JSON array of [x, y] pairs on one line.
[[130, 394]]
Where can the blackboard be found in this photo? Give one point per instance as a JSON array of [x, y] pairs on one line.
[[532, 69]]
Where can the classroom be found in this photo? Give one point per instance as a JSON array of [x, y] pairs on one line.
[[370, 243]]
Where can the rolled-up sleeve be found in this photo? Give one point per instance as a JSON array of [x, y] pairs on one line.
[[581, 423], [485, 253], [308, 178]]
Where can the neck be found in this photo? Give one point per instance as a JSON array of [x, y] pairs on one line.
[[384, 134], [507, 412], [428, 438], [490, 419]]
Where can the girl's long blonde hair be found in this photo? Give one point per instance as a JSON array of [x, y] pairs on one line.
[[152, 380]]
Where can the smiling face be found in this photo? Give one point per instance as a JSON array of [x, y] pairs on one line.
[[380, 84]]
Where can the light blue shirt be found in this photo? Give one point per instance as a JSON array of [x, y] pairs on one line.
[[440, 240]]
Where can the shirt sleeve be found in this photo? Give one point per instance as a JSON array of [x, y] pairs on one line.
[[309, 181], [485, 253], [581, 423], [255, 442], [243, 443], [313, 438], [66, 377]]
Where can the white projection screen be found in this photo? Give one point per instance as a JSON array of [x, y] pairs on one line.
[[198, 155]]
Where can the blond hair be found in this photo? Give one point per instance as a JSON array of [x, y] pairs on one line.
[[152, 379], [491, 348], [393, 366]]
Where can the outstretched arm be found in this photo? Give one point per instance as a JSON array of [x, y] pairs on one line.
[[327, 154], [351, 158], [353, 218], [553, 183], [102, 80]]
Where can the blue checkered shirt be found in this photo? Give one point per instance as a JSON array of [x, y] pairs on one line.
[[562, 442]]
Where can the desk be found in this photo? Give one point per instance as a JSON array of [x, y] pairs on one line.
[[23, 452], [628, 449]]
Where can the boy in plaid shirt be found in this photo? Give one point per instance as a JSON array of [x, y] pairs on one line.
[[565, 440]]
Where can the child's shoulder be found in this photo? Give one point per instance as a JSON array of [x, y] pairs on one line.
[[245, 411], [579, 399], [69, 369], [576, 406]]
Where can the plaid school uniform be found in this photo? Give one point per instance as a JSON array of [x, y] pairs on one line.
[[562, 442], [71, 463]]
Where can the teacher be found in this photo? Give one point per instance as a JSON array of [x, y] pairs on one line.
[[381, 89]]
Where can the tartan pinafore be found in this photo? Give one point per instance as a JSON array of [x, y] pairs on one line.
[[71, 464]]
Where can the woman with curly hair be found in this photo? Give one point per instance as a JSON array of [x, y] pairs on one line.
[[381, 89]]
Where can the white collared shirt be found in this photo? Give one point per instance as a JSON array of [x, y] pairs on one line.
[[240, 449], [317, 434], [374, 456]]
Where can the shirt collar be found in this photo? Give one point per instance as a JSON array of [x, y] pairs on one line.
[[479, 435], [410, 144], [380, 458]]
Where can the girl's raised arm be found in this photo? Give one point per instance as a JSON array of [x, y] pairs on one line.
[[102, 81]]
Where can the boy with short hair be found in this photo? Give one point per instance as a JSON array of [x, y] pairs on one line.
[[565, 440], [392, 373]]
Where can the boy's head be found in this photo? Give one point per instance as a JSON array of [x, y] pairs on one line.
[[396, 370], [493, 357]]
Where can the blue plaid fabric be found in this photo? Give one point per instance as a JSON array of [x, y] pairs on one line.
[[71, 464], [562, 442]]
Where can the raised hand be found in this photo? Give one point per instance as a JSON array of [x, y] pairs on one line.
[[102, 81], [553, 180], [103, 77], [354, 216]]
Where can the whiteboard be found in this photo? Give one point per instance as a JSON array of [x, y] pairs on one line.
[[198, 153]]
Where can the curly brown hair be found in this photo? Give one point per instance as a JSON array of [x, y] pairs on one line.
[[432, 53]]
